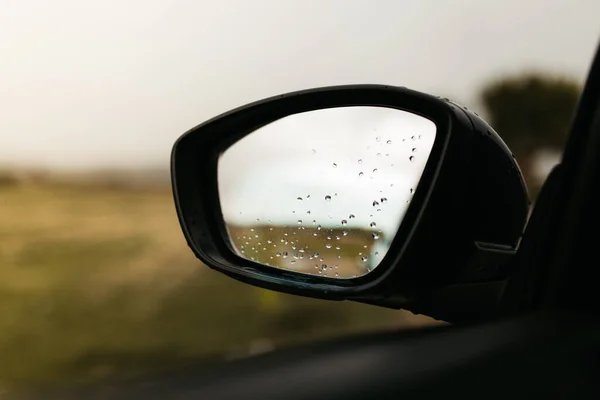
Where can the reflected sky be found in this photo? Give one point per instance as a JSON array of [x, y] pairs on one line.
[[354, 167]]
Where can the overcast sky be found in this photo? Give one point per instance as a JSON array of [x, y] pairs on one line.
[[114, 83], [353, 166]]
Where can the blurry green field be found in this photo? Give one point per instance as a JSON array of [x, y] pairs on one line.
[[98, 283]]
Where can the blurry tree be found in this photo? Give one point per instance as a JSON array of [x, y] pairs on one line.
[[532, 113]]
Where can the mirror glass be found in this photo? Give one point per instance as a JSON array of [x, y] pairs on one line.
[[323, 192]]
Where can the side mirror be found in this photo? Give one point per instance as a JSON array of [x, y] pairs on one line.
[[369, 193]]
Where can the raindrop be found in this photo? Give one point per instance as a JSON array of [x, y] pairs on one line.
[[345, 233], [337, 238], [360, 161], [375, 203], [375, 235], [299, 222], [315, 234], [414, 149], [296, 256], [314, 151], [316, 254], [411, 158], [251, 229], [308, 212], [293, 262], [376, 253], [243, 252], [339, 257], [308, 196], [412, 190], [420, 136], [328, 245], [387, 154], [378, 154], [334, 165], [269, 241], [255, 236], [328, 198], [299, 199], [360, 174], [389, 142], [284, 254], [319, 227], [328, 237], [301, 250], [344, 222], [384, 200], [375, 170], [364, 258], [413, 137], [378, 139], [351, 216], [278, 255], [337, 247], [324, 267], [337, 274], [372, 224]]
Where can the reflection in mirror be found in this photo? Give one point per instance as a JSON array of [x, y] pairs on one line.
[[323, 192]]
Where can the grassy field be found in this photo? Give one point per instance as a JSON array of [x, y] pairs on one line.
[[97, 283]]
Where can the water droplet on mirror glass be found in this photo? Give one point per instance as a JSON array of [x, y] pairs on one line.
[[384, 200], [364, 258], [337, 247], [328, 198], [375, 236], [412, 190], [299, 222], [284, 254], [372, 224], [411, 158], [314, 151], [351, 216], [414, 149], [324, 267], [337, 274], [360, 174], [375, 203], [360, 161], [378, 154], [413, 137], [308, 196], [378, 139], [328, 245], [345, 233], [319, 227], [375, 170], [389, 142], [308, 212], [316, 254], [334, 165], [299, 199], [293, 262], [344, 222], [278, 254]]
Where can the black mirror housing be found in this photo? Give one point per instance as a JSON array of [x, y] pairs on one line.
[[462, 227]]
